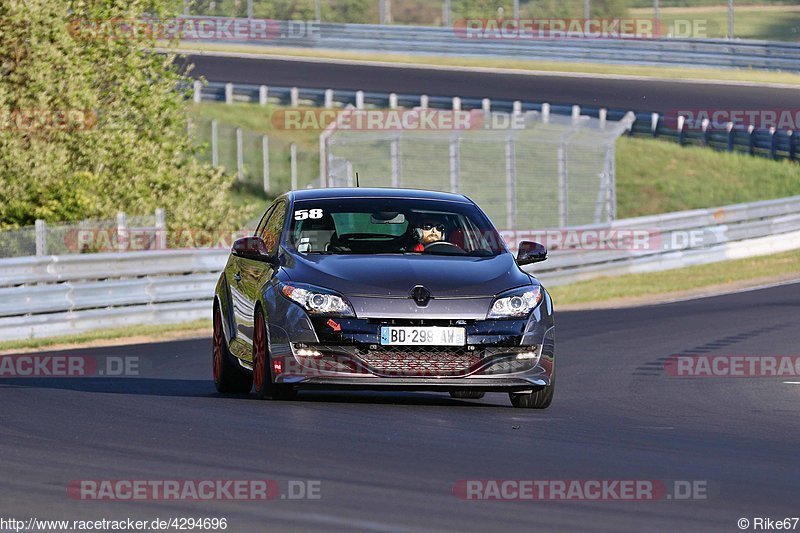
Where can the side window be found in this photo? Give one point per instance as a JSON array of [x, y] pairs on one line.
[[263, 222], [271, 232]]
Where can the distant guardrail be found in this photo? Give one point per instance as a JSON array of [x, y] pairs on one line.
[[771, 143], [56, 295], [684, 52]]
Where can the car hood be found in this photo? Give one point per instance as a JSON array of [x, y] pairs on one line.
[[395, 275]]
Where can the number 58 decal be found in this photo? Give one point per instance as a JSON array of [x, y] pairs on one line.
[[302, 214]]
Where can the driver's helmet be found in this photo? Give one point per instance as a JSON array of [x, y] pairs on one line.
[[428, 229]]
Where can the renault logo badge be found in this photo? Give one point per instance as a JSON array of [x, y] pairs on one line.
[[421, 295]]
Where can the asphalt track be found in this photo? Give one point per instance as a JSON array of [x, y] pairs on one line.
[[388, 461], [637, 95]]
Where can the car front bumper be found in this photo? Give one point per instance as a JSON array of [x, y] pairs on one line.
[[508, 355]]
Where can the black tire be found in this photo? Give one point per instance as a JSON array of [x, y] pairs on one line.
[[467, 394], [228, 377], [540, 398], [262, 365]]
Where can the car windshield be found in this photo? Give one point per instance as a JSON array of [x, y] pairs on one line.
[[392, 226]]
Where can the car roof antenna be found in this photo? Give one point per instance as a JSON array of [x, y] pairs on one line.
[[357, 185]]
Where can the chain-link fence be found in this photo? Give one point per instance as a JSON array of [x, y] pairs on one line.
[[261, 163], [124, 233], [553, 171]]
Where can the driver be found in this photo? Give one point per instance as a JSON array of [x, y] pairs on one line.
[[428, 230]]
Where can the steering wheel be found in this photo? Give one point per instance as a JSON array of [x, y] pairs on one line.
[[448, 246]]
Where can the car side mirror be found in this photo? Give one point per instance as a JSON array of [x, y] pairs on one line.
[[531, 252], [252, 248]]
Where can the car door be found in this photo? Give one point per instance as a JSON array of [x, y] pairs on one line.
[[241, 344], [255, 274]]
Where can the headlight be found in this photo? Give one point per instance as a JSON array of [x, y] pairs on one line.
[[518, 302], [316, 300]]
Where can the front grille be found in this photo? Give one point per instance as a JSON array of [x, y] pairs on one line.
[[416, 361], [421, 361]]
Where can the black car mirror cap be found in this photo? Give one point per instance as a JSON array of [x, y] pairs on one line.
[[253, 248], [531, 252]]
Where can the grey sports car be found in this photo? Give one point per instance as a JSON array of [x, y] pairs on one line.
[[382, 289]]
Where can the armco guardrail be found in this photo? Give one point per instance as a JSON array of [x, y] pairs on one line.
[[719, 53], [772, 143], [56, 295], [673, 240]]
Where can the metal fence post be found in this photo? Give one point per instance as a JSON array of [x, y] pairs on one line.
[[41, 237], [293, 164], [265, 161], [704, 127], [122, 229], [511, 183], [545, 113], [294, 96], [423, 101], [263, 95], [249, 9], [214, 143], [348, 169], [239, 155], [602, 115], [456, 103], [392, 100], [394, 155], [198, 92], [359, 99], [681, 129], [576, 113], [229, 93], [562, 184], [731, 136], [773, 143], [612, 183], [455, 166], [328, 98], [161, 229], [447, 10], [751, 139], [654, 124]]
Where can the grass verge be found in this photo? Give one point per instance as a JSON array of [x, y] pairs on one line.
[[132, 335], [774, 23], [554, 67], [680, 282]]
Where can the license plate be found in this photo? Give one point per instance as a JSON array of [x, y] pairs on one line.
[[422, 336]]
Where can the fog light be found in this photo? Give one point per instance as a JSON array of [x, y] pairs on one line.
[[309, 353], [527, 355]]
